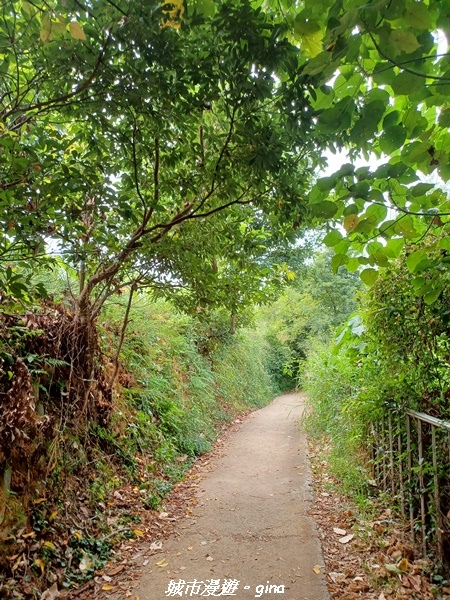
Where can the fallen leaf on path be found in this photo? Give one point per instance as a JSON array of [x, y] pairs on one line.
[[334, 576], [162, 563], [49, 545], [339, 531], [39, 563], [116, 570], [346, 539], [16, 564], [85, 563], [138, 532], [393, 569], [107, 587], [316, 569], [51, 593], [403, 565], [156, 546]]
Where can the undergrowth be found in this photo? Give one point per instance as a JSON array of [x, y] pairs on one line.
[[180, 382], [333, 384]]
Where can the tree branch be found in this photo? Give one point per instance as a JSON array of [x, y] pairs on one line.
[[400, 65], [122, 337], [39, 106]]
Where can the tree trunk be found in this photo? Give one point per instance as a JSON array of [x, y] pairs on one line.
[[126, 320]]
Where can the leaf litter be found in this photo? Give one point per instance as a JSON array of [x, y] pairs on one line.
[[380, 563]]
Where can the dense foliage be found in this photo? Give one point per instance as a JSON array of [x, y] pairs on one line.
[[123, 134], [392, 355], [177, 147], [306, 314], [174, 398]]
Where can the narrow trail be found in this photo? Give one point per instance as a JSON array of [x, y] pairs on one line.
[[251, 521]]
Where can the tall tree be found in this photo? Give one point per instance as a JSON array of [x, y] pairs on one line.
[[128, 126]]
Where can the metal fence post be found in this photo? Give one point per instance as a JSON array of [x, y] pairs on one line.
[[422, 487], [409, 466]]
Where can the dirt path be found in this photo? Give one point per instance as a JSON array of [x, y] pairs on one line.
[[251, 523]]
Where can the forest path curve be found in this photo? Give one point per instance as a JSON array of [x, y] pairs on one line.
[[251, 521]]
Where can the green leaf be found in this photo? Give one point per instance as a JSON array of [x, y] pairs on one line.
[[418, 282], [342, 247], [351, 209], [206, 8], [392, 139], [332, 238], [444, 243], [383, 73], [325, 184], [76, 31], [417, 261], [309, 34], [360, 189], [380, 258], [369, 276], [405, 227], [377, 210], [365, 225], [346, 169], [337, 118], [339, 260], [373, 247], [407, 83], [352, 265], [403, 41], [417, 15], [444, 118], [367, 124], [324, 209], [394, 247], [432, 296], [421, 188]]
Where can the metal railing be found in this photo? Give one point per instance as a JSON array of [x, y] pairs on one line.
[[411, 461]]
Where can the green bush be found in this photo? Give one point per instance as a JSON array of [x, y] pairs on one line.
[[333, 385], [187, 379]]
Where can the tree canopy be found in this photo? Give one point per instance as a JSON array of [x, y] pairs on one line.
[[381, 73], [127, 128], [161, 143]]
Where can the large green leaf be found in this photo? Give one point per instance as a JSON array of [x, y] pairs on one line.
[[325, 209], [332, 238], [392, 139], [403, 41], [369, 276], [417, 261]]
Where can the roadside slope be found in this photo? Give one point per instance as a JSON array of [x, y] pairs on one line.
[[250, 523]]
